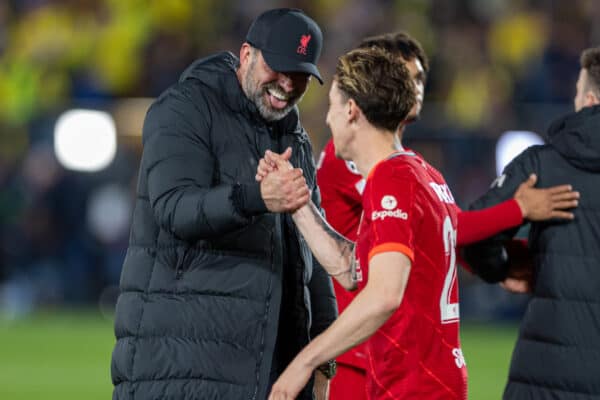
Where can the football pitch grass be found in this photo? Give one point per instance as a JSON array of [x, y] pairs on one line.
[[66, 355]]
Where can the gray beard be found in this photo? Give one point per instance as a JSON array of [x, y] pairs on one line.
[[257, 96], [265, 110]]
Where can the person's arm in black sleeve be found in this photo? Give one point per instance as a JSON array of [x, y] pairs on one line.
[[323, 303], [179, 166], [488, 258]]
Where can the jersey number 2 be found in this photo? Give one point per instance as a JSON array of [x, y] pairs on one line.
[[448, 310]]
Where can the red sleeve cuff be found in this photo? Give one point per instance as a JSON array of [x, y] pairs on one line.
[[392, 247], [474, 226]]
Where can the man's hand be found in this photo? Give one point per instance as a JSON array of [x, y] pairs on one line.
[[519, 280], [520, 277], [516, 285], [283, 188], [321, 389], [543, 204], [271, 161], [285, 191], [291, 382]]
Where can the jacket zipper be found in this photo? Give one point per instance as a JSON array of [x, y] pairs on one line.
[[180, 266]]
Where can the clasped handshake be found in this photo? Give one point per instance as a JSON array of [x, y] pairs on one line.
[[283, 187]]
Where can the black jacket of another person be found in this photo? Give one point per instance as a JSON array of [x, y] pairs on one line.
[[557, 355], [212, 282]]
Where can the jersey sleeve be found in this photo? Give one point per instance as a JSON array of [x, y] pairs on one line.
[[390, 204], [341, 188], [497, 219]]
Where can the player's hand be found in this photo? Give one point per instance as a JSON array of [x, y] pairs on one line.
[[269, 163], [516, 285], [548, 203], [285, 190], [291, 382], [520, 278]]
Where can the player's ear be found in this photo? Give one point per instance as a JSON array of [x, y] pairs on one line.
[[353, 111]]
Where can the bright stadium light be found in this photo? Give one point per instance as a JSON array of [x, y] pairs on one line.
[[85, 140], [511, 144]]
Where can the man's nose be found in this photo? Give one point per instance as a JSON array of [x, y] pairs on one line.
[[285, 82], [419, 91], [419, 87]]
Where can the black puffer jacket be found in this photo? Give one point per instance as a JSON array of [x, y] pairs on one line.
[[557, 355], [201, 285]]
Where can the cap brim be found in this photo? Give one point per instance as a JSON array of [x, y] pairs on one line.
[[285, 64]]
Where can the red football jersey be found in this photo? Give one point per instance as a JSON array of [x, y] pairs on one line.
[[341, 187], [416, 354]]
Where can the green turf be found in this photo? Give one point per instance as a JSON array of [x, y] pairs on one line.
[[66, 355], [56, 356], [487, 349]]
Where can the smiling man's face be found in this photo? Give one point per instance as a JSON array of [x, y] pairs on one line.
[[273, 93]]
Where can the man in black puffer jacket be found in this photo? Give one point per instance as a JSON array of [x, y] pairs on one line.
[[219, 291], [557, 355]]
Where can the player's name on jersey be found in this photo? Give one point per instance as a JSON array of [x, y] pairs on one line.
[[443, 192]]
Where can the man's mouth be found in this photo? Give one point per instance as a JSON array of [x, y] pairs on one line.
[[277, 98]]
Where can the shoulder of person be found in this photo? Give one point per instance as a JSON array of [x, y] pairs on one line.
[[527, 160], [206, 67], [393, 169]]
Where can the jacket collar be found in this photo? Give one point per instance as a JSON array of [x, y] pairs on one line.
[[218, 72], [577, 137]]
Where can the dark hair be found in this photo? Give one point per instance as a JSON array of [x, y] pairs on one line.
[[590, 60], [398, 43], [379, 83]]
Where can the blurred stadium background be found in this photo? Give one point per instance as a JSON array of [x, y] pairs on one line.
[[67, 178]]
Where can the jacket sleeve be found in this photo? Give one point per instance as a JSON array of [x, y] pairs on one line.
[[323, 302], [488, 258], [179, 167]]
